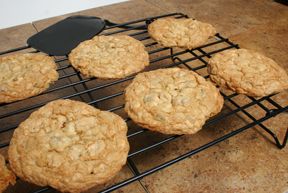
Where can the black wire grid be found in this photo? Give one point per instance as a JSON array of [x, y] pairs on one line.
[[108, 95]]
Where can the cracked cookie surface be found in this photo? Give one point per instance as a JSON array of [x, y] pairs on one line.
[[6, 176], [184, 32], [115, 56], [247, 72], [25, 75], [69, 145], [172, 101]]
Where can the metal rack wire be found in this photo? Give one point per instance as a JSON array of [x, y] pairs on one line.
[[108, 95]]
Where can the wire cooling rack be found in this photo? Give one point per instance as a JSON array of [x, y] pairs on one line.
[[108, 95]]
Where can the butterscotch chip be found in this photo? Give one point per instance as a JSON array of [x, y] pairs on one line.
[[25, 75], [185, 32], [172, 101], [109, 56], [6, 176], [69, 146], [247, 72]]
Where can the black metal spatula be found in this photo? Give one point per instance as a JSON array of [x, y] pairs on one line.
[[59, 39]]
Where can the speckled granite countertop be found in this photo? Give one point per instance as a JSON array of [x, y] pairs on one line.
[[246, 163]]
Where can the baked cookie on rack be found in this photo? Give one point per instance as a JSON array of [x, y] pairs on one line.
[[184, 32], [247, 72], [25, 75], [172, 101], [115, 56], [69, 145], [6, 176]]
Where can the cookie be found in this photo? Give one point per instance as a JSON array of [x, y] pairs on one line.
[[6, 176], [184, 33], [247, 72], [109, 56], [69, 145], [172, 101], [25, 75]]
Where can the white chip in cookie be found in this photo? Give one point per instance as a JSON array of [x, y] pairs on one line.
[[25, 75], [172, 101], [247, 72], [185, 32], [109, 56], [69, 145]]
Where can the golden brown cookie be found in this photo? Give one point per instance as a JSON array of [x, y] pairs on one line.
[[247, 72], [109, 56], [25, 75], [185, 32], [172, 101], [69, 145], [6, 176]]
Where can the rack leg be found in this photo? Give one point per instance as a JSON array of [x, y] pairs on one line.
[[277, 141]]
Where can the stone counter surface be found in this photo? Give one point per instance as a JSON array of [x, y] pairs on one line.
[[248, 162]]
